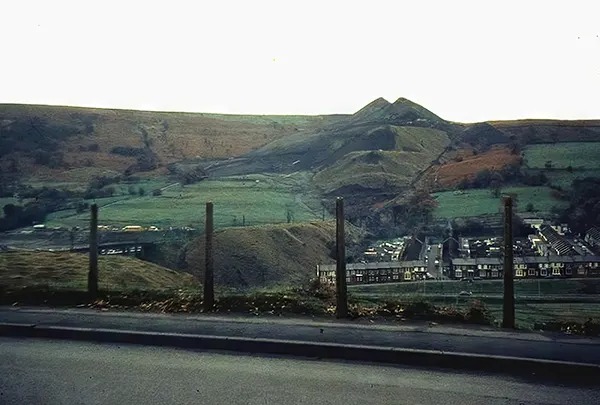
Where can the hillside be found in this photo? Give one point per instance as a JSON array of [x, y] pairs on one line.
[[398, 157], [465, 165], [402, 110], [545, 131], [51, 141], [284, 254], [401, 126], [382, 154], [68, 271]]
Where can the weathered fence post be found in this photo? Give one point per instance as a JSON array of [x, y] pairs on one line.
[[209, 292], [93, 266], [340, 270], [508, 320]]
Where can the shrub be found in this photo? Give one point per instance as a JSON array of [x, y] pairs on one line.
[[478, 313]]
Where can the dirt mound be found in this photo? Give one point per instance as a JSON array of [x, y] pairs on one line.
[[390, 159], [483, 135], [68, 271], [401, 111], [371, 109], [267, 255]]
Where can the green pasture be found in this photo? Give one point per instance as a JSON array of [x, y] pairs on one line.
[[260, 199], [475, 202], [578, 155]]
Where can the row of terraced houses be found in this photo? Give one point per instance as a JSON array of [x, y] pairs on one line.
[[461, 268]]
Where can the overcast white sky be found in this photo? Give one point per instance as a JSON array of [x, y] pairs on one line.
[[464, 60]]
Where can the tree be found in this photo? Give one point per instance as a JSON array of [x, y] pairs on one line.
[[548, 164], [530, 207], [156, 192], [496, 191], [141, 192]]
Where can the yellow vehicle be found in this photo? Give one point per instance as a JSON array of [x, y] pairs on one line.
[[132, 228]]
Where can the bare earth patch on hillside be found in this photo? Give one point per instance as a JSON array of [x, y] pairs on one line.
[[451, 173]]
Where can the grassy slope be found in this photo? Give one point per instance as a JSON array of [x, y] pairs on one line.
[[581, 156], [285, 254], [528, 312], [173, 136], [584, 155], [480, 201], [564, 178], [522, 287], [264, 202], [59, 271], [415, 149]]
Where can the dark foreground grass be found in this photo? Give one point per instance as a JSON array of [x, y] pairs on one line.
[[60, 279]]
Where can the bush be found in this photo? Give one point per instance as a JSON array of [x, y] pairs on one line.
[[419, 309], [156, 192], [478, 313], [82, 207], [127, 151]]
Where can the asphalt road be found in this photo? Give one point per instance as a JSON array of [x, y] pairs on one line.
[[446, 338], [53, 372]]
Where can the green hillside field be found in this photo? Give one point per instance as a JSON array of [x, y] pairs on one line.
[[578, 155], [262, 199], [475, 202]]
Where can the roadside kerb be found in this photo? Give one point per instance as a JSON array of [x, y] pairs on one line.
[[377, 354]]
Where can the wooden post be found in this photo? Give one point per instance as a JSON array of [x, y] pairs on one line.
[[340, 270], [209, 292], [93, 266], [508, 320]]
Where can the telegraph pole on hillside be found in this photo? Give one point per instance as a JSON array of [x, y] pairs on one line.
[[340, 269], [209, 293], [508, 320], [93, 264]]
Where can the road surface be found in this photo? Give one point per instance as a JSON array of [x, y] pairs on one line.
[[52, 372], [446, 338]]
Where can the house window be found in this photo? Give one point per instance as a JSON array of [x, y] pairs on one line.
[[543, 272], [568, 272], [520, 273], [581, 271], [494, 273], [556, 272], [531, 272], [458, 273]]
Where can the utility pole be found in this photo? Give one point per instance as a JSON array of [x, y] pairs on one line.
[[508, 320], [340, 270], [209, 292], [93, 264]]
